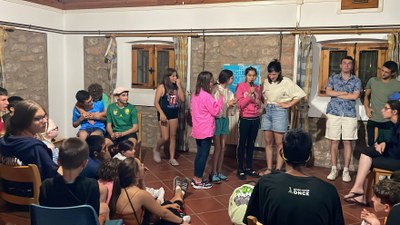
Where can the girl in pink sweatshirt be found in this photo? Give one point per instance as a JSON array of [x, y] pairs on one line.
[[204, 109], [248, 97]]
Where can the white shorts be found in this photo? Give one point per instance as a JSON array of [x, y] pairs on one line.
[[337, 126]]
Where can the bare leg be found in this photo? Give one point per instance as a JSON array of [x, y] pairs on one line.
[[217, 151], [82, 135], [164, 135], [97, 132], [279, 145], [347, 153], [269, 141], [173, 127], [222, 153], [364, 165], [334, 151]]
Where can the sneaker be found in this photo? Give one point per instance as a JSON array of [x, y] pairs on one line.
[[173, 162], [153, 192], [176, 182], [251, 172], [186, 219], [222, 176], [333, 174], [161, 193], [346, 176], [156, 156], [204, 184], [241, 175], [185, 185], [214, 178]]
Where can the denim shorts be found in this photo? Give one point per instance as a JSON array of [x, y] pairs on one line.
[[275, 119]]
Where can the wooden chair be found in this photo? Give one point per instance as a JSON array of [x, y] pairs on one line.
[[374, 176], [139, 136], [82, 215], [252, 220], [27, 193]]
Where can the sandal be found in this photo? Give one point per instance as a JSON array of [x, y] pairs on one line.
[[352, 195], [352, 199], [265, 172]]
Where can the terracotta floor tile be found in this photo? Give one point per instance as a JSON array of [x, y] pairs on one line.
[[216, 218], [204, 205]]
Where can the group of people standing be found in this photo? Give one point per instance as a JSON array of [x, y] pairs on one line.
[[210, 105]]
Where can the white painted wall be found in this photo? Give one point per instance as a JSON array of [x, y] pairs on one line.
[[66, 52]]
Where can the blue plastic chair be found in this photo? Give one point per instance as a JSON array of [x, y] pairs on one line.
[[74, 215]]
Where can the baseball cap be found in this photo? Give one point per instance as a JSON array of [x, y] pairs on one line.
[[120, 90]]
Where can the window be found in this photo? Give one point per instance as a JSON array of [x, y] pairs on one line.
[[368, 59], [149, 63]]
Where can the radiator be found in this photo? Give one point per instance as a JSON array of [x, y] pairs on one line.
[[233, 137]]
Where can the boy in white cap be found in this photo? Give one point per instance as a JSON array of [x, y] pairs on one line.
[[122, 119]]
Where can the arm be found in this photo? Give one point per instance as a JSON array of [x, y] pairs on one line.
[[241, 100], [77, 118], [159, 92], [181, 93], [350, 96], [333, 93], [216, 105], [368, 109], [287, 105]]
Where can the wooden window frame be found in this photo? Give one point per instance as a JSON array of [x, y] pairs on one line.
[[353, 50], [153, 49]]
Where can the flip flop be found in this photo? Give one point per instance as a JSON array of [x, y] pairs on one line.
[[355, 201], [353, 195], [265, 172]]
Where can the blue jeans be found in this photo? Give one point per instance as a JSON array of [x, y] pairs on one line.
[[203, 149]]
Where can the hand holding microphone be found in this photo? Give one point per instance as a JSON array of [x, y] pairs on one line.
[[252, 89]]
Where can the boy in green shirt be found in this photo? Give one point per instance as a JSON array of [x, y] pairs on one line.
[[122, 119]]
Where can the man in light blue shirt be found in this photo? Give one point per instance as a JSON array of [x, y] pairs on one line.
[[344, 89]]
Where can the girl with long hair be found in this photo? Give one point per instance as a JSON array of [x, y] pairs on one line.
[[19, 141], [225, 79], [168, 96], [129, 201], [248, 97], [204, 109]]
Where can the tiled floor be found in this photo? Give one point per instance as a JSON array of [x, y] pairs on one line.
[[210, 207]]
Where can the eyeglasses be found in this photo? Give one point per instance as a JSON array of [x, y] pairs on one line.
[[40, 118]]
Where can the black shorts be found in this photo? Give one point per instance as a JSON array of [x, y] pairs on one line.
[[123, 138], [170, 114]]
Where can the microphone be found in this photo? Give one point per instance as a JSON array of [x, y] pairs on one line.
[[253, 95]]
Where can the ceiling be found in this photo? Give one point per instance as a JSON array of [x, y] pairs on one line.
[[96, 4]]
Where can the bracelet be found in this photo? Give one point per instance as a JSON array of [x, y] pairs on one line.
[[182, 221]]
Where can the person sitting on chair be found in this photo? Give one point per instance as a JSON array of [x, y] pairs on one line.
[[122, 118], [295, 197], [70, 189], [385, 154]]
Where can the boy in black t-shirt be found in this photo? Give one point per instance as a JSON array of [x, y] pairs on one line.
[[70, 189]]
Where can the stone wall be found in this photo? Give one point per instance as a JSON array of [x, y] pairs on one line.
[[25, 59], [94, 62], [221, 50]]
